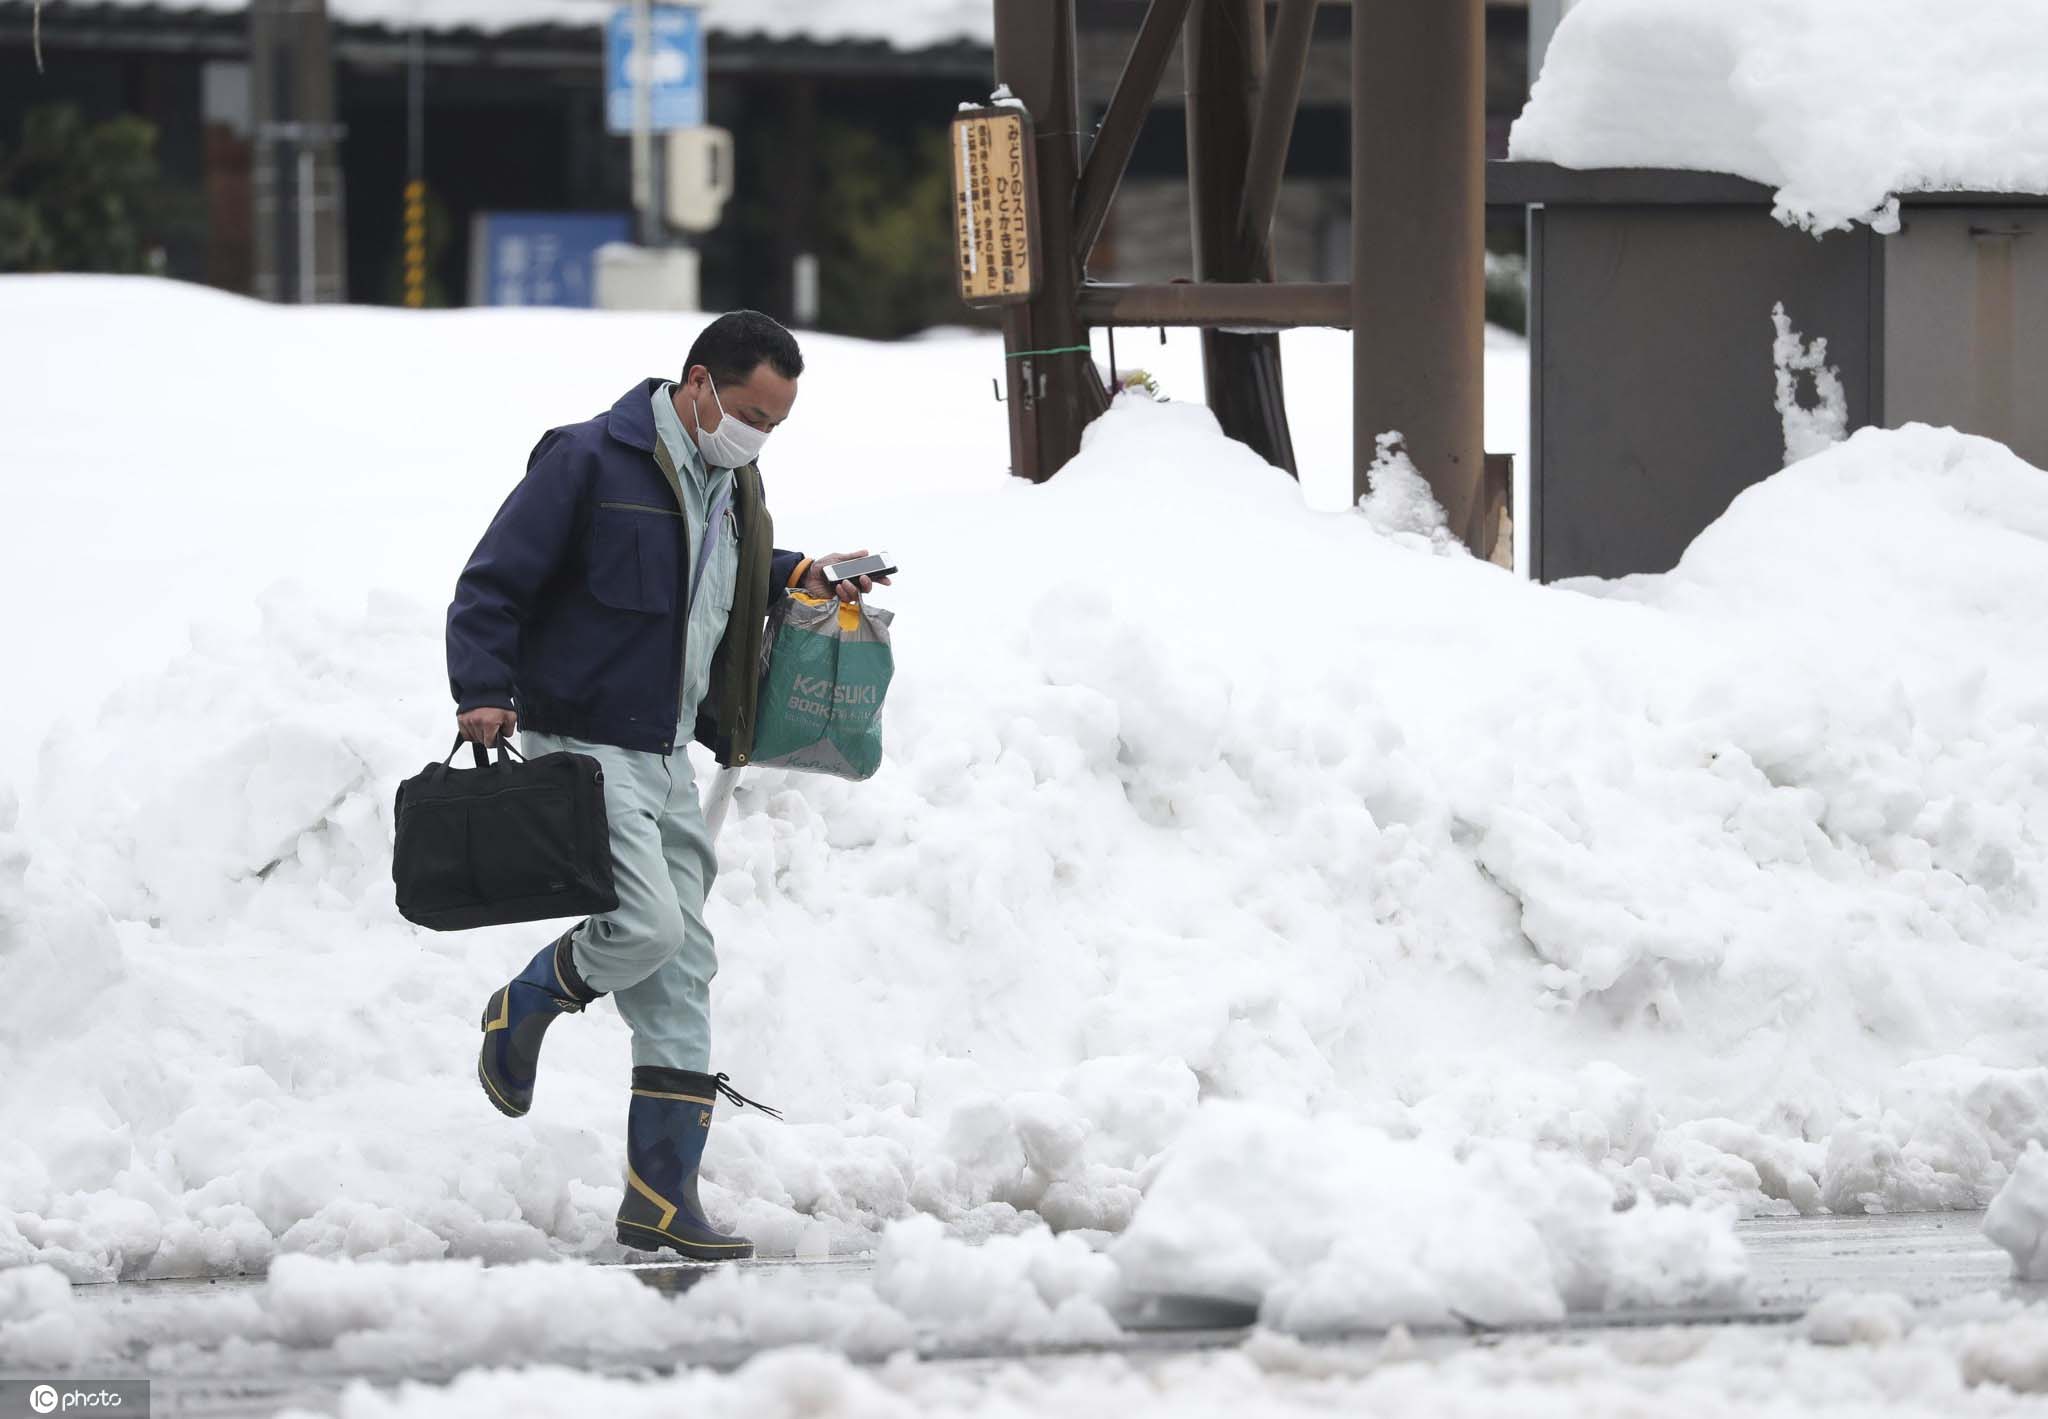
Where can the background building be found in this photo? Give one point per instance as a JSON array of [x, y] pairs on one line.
[[839, 115]]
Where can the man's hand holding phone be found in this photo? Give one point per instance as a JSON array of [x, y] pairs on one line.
[[847, 575]]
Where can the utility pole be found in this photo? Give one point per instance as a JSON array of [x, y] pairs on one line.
[[643, 122], [1418, 246], [1051, 381], [1224, 50], [296, 172]]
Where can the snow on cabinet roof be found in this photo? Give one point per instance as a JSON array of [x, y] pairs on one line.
[[906, 24], [1839, 104]]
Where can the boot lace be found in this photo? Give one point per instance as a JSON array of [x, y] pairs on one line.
[[742, 1100]]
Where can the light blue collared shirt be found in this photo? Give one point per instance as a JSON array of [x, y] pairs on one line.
[[711, 607]]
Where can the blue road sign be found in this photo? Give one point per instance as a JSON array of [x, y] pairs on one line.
[[675, 69], [540, 258]]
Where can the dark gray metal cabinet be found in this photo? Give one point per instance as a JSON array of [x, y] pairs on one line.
[[1652, 393]]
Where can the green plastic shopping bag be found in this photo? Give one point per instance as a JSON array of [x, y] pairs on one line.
[[821, 700]]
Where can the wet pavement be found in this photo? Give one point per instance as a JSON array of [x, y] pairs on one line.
[[1929, 1258]]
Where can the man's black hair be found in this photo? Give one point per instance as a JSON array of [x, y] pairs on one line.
[[733, 346]]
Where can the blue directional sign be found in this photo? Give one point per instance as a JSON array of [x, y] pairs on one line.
[[675, 69]]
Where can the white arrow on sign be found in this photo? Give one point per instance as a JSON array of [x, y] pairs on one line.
[[671, 66]]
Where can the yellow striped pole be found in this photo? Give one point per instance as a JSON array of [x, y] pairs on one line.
[[416, 244]]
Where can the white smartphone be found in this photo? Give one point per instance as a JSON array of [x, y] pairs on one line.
[[876, 565]]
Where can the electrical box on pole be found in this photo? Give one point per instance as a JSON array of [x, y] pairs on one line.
[[698, 178]]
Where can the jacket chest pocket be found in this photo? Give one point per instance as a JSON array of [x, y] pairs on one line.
[[632, 556], [728, 568]]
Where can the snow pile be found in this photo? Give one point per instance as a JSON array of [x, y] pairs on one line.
[[1030, 1288], [2018, 1217], [2012, 1352], [1326, 1224], [388, 1316], [41, 1323], [1838, 104], [1858, 1318], [1721, 886]]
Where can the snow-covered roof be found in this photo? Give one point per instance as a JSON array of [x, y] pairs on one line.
[[1839, 104], [905, 24]]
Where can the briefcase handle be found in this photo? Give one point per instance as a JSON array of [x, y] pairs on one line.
[[483, 758]]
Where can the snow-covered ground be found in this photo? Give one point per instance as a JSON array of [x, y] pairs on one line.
[[1350, 932], [1838, 104], [1984, 1367]]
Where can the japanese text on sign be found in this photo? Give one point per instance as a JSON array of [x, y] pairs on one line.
[[992, 206]]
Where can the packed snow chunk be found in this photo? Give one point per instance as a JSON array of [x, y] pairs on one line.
[[2018, 1217], [1028, 1288], [1838, 104], [1330, 1224], [40, 1324], [2012, 1352], [1807, 430], [1400, 504], [1857, 1318], [58, 945]]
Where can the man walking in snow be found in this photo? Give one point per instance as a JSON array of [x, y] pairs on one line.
[[615, 607]]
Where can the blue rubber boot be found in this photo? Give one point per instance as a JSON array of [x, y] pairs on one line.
[[518, 1015], [666, 1125]]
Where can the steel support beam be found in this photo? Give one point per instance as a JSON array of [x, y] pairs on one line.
[[1051, 382], [1418, 245], [1224, 49], [1110, 153], [1273, 128], [1236, 305]]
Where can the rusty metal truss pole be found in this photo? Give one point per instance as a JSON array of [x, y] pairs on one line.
[[1273, 128], [1418, 245], [1224, 51], [1231, 305], [1110, 153], [1051, 381]]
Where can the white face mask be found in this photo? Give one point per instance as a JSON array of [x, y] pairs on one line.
[[732, 444]]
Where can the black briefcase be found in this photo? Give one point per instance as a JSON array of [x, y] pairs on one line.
[[502, 842]]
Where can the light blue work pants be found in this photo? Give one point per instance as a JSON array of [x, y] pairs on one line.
[[653, 952]]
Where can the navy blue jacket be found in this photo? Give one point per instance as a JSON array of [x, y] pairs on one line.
[[574, 619]]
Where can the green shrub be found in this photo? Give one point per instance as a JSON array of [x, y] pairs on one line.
[[887, 266], [80, 197]]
